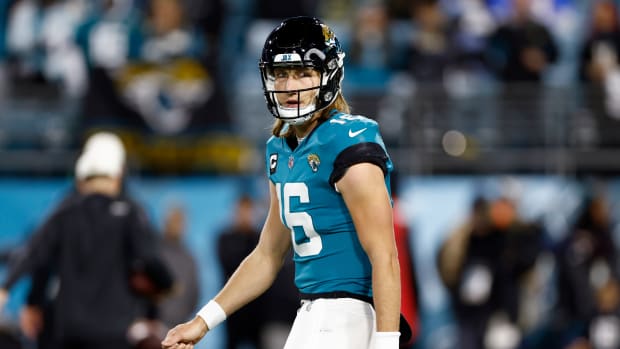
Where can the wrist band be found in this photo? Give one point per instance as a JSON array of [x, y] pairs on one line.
[[212, 314], [386, 340]]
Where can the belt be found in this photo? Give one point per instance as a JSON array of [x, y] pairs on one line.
[[335, 294]]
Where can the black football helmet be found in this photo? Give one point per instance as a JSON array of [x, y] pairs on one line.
[[302, 42]]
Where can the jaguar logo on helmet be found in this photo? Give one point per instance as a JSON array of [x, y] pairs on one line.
[[328, 34]]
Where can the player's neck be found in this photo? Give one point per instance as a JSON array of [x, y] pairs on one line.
[[301, 131]]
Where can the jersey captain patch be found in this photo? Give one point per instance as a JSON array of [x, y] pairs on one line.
[[273, 163]]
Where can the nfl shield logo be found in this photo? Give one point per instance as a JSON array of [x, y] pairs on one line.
[[291, 161]]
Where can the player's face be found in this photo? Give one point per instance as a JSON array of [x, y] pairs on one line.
[[292, 79]]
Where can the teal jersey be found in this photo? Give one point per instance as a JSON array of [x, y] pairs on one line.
[[328, 254]]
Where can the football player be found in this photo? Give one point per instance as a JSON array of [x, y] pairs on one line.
[[329, 186]]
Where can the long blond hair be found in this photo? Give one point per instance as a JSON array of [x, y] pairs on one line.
[[339, 104]]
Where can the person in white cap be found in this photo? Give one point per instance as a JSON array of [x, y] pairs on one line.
[[96, 240]]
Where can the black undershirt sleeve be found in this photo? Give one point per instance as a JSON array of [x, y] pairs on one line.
[[355, 154]]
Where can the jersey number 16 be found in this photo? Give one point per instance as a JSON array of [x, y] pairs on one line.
[[313, 245]]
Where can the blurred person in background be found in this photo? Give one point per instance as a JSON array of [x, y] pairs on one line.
[[604, 326], [467, 78], [370, 52], [520, 52], [209, 16], [4, 14], [181, 304], [171, 85], [599, 70], [279, 306], [426, 56], [441, 45], [103, 249], [233, 245], [36, 317], [483, 264], [151, 68], [451, 260], [109, 38], [521, 49], [342, 234], [266, 321], [400, 9], [430, 50], [588, 306], [408, 276], [445, 59], [41, 47]]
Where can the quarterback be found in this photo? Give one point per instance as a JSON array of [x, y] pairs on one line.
[[329, 180]]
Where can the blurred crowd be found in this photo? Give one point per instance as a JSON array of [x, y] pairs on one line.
[[180, 67], [511, 285], [133, 62], [500, 72], [512, 279]]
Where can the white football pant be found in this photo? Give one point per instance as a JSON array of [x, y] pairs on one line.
[[339, 323]]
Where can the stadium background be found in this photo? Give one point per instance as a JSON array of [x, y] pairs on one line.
[[195, 121]]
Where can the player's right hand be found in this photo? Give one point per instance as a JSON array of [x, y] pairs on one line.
[[185, 335]]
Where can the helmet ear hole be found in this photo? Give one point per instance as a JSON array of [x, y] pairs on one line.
[[308, 42]]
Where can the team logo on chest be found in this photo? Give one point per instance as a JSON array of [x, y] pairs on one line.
[[314, 162]]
